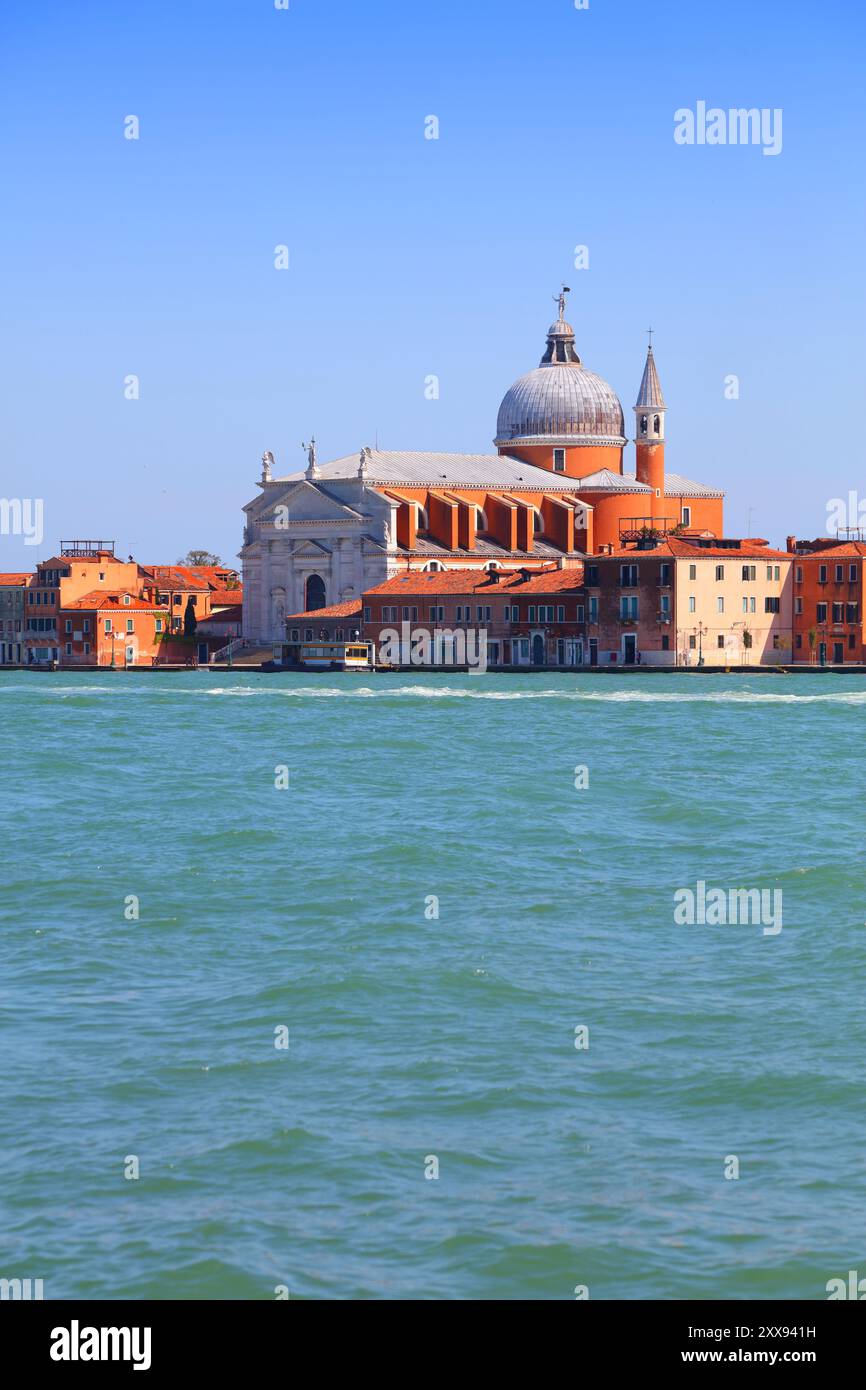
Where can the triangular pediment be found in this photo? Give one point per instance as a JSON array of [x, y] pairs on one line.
[[310, 547], [305, 502]]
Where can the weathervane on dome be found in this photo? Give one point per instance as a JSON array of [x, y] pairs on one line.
[[650, 331], [560, 300]]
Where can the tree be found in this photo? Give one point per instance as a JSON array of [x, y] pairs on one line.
[[199, 557]]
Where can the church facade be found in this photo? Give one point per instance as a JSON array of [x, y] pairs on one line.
[[556, 490]]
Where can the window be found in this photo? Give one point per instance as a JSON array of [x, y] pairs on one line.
[[643, 424], [778, 642], [720, 572], [68, 648], [130, 625], [851, 640], [750, 572], [628, 607], [308, 631], [532, 612], [771, 605], [798, 641], [437, 613], [852, 574], [366, 613], [666, 643], [433, 566], [410, 615], [87, 649], [86, 624], [693, 641], [666, 605], [751, 605], [822, 574], [693, 571], [560, 612], [592, 575], [798, 574], [821, 614], [559, 460], [664, 574], [720, 604], [107, 625], [838, 612], [691, 603], [68, 624], [580, 613], [126, 599], [628, 576], [747, 640], [593, 609], [851, 612], [720, 640], [745, 604], [158, 625], [657, 424], [389, 614], [798, 604], [687, 516], [840, 573], [514, 612]]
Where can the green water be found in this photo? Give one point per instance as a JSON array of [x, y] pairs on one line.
[[413, 1036]]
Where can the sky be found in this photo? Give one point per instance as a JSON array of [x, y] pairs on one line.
[[304, 127]]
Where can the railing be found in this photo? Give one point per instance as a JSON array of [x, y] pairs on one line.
[[237, 644]]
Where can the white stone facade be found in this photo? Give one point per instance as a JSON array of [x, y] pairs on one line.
[[342, 532]]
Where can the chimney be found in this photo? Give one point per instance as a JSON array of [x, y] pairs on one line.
[[792, 544]]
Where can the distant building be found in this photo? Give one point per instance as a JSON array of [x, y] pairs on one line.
[[13, 596], [828, 600], [555, 491], [81, 567], [530, 616], [681, 602]]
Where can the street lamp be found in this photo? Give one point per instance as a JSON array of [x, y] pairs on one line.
[[700, 630], [113, 662]]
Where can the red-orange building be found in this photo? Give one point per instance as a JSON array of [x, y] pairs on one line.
[[828, 601], [529, 616]]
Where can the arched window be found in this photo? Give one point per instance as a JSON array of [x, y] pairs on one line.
[[480, 519], [492, 565], [657, 424], [422, 522], [433, 565], [315, 593], [643, 424]]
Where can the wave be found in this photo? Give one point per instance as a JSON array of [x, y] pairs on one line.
[[315, 691]]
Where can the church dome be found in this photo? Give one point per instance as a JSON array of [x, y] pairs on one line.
[[561, 402]]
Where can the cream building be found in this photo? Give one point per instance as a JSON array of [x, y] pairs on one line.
[[733, 606]]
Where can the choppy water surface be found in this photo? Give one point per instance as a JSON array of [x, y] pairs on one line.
[[412, 1036]]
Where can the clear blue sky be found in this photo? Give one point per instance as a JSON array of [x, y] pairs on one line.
[[409, 256]]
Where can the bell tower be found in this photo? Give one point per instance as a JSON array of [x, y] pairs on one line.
[[650, 434]]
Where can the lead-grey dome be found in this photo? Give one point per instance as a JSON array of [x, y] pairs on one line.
[[561, 401]]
